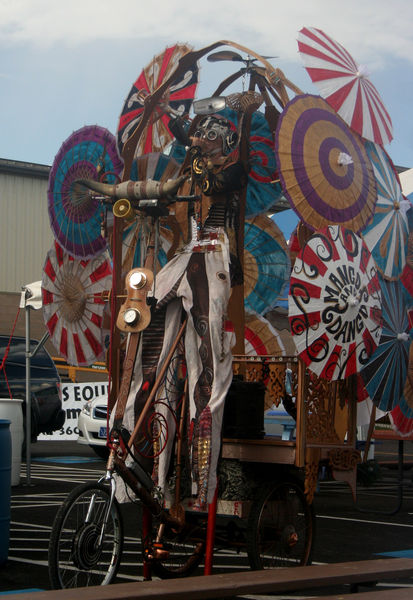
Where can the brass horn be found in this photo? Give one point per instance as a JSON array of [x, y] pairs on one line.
[[123, 209]]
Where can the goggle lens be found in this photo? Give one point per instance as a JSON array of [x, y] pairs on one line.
[[209, 134]]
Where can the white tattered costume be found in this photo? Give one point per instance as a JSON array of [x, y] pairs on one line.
[[197, 279]]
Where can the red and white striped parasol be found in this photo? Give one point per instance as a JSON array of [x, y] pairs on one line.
[[345, 85], [73, 303]]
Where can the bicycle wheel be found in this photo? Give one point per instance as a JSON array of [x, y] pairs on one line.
[[184, 551], [281, 527], [77, 557]]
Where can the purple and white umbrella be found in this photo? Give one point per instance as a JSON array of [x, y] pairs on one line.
[[324, 169], [75, 215]]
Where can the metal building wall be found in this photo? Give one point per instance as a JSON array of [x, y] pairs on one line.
[[25, 234]]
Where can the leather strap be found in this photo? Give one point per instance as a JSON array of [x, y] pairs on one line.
[[127, 373]]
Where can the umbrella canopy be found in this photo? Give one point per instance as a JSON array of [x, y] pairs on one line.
[[75, 215], [401, 418], [345, 85], [365, 405], [334, 303], [263, 189], [73, 304], [266, 264], [386, 234], [159, 167], [156, 166], [408, 386], [135, 239], [407, 273], [324, 169], [406, 180], [385, 372], [260, 336], [176, 100]]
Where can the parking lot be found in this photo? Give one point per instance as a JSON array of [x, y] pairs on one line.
[[343, 531]]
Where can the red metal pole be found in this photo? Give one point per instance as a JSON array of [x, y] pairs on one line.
[[146, 535], [210, 537]]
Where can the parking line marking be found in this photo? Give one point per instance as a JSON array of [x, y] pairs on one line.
[[363, 521], [66, 459]]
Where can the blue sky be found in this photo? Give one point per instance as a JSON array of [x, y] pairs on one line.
[[65, 65]]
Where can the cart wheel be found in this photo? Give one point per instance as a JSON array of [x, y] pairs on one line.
[[281, 527], [77, 556], [182, 552]]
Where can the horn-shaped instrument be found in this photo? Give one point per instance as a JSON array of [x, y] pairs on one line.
[[135, 190]]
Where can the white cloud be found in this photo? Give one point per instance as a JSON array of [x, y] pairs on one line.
[[369, 29]]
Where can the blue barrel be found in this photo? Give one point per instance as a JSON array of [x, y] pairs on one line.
[[5, 487]]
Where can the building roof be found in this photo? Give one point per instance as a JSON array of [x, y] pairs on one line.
[[18, 167]]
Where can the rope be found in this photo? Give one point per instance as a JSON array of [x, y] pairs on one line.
[[6, 353]]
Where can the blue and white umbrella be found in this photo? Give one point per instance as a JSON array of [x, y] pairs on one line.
[[266, 264], [386, 234], [385, 372]]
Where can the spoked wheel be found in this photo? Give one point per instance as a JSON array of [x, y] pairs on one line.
[[82, 550], [280, 527], [181, 552]]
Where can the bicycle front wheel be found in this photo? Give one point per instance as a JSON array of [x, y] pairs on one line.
[[83, 551]]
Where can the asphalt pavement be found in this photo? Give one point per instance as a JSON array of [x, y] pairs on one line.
[[345, 531]]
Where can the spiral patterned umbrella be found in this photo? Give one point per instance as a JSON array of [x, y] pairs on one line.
[[75, 215], [345, 85], [386, 235], [385, 372], [177, 98], [73, 303], [325, 171], [334, 303], [266, 264]]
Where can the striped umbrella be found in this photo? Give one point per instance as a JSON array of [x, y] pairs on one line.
[[73, 294], [345, 85], [386, 235], [177, 100], [385, 372], [401, 418], [260, 336]]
